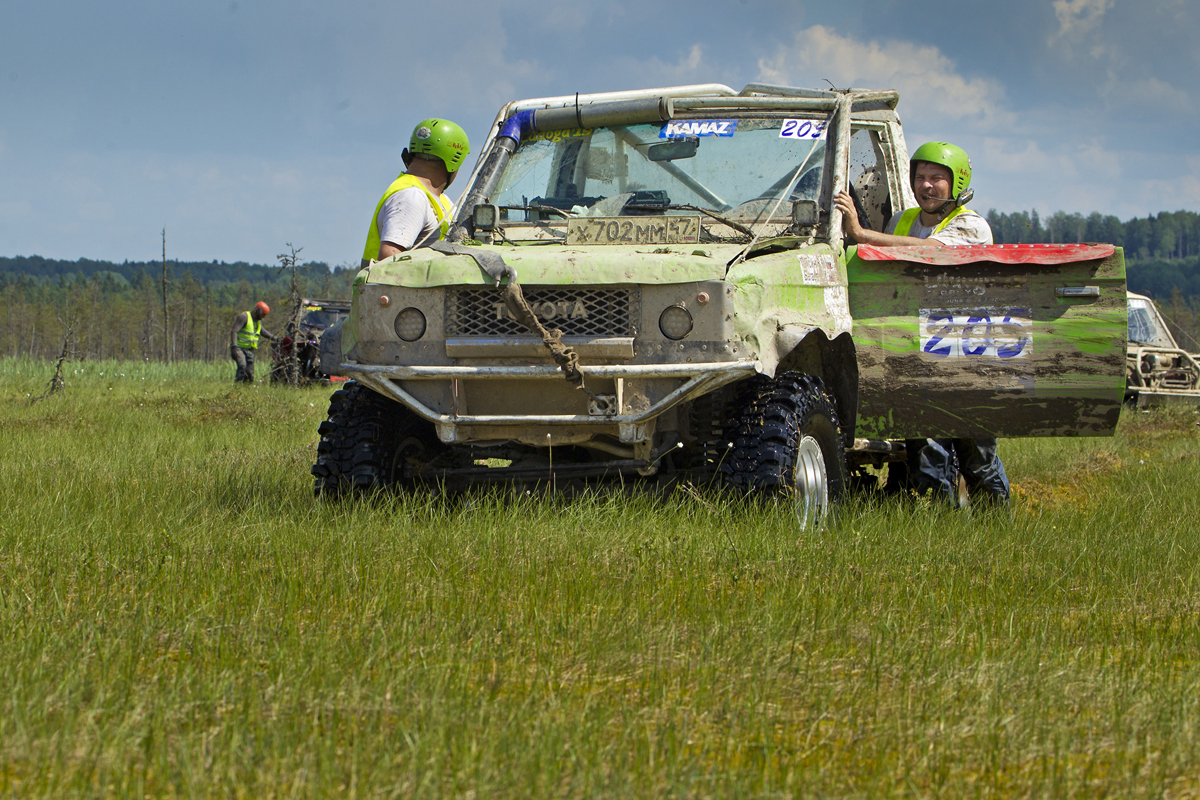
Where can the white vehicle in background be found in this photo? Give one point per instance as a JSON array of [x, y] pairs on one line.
[[1157, 369]]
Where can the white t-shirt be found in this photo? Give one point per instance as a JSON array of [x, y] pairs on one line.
[[965, 229], [406, 219]]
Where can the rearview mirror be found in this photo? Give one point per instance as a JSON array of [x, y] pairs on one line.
[[670, 151]]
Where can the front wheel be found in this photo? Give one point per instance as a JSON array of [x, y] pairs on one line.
[[365, 441], [789, 445]]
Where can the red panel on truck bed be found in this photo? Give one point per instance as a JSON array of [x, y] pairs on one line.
[[995, 253]]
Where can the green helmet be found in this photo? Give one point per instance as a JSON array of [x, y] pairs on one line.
[[952, 157], [441, 138]]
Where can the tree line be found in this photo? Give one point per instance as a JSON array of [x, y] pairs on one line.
[[1165, 236], [117, 311]]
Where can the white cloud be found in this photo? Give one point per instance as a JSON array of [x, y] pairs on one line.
[[1078, 17], [1150, 92], [928, 81]]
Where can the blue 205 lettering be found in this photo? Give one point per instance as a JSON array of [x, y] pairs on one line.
[[802, 129], [931, 346]]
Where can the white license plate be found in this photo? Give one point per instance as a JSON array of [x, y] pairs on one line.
[[670, 229]]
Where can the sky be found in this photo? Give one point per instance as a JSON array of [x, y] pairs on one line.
[[240, 126]]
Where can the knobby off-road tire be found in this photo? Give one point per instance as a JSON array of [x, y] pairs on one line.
[[789, 444], [364, 440]]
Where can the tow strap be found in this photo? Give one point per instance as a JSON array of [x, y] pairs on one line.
[[514, 299]]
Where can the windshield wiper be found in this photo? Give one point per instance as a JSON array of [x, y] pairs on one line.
[[551, 209]]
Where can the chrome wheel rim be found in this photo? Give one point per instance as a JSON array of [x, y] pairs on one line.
[[811, 484]]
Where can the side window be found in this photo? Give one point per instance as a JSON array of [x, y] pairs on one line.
[[868, 176]]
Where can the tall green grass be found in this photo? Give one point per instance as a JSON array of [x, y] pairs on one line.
[[179, 617]]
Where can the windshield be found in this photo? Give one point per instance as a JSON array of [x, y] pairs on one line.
[[319, 319], [735, 168], [1145, 327]]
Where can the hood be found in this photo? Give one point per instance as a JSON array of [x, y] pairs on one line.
[[559, 265]]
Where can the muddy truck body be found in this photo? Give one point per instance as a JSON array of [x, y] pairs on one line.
[[681, 243]]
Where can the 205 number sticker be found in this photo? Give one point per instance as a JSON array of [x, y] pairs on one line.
[[1004, 335], [812, 129]]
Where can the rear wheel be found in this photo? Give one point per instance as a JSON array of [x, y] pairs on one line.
[[789, 445]]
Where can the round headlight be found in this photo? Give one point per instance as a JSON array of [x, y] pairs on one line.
[[410, 324], [675, 322]]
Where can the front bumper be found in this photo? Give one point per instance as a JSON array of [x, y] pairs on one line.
[[633, 428]]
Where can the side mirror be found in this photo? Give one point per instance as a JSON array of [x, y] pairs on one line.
[[670, 151], [804, 213]]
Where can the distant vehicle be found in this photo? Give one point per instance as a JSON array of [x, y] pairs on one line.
[[316, 316], [1157, 368]]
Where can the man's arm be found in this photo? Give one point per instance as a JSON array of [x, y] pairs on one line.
[[854, 229], [387, 249], [402, 222], [239, 322]]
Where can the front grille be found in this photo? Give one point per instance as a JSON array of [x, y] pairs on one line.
[[576, 311]]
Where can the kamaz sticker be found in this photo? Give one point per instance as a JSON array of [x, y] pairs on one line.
[[951, 333], [803, 129], [698, 127]]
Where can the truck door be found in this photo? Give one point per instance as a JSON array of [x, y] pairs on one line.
[[998, 340]]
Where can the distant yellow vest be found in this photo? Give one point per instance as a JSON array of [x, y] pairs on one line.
[[443, 209], [247, 337], [905, 223]]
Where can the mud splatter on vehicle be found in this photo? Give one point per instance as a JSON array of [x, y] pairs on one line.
[[681, 245]]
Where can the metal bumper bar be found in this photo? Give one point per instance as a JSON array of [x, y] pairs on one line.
[[698, 379]]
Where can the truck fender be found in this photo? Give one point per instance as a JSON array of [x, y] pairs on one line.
[[834, 361]]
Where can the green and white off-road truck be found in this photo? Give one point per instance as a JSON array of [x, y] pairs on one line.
[[687, 307]]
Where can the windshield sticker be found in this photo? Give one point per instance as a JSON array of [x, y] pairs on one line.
[[803, 129], [1003, 334], [558, 136], [698, 127]]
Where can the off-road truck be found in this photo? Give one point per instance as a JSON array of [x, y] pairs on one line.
[[1157, 368], [309, 320], [687, 307]]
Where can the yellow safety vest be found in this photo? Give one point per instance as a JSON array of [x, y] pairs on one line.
[[443, 209], [904, 224], [248, 336]]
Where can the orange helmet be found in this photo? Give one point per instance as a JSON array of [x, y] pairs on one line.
[[263, 307]]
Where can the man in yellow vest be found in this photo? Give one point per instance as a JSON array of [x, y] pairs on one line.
[[243, 341], [940, 174], [414, 212]]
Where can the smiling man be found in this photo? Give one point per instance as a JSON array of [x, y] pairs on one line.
[[940, 174]]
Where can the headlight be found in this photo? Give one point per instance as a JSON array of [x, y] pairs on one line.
[[486, 216], [410, 324], [675, 322]]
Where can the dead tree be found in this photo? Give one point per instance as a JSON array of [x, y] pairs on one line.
[[288, 260], [56, 381], [166, 313]]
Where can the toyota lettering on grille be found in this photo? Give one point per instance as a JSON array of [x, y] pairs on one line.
[[563, 309]]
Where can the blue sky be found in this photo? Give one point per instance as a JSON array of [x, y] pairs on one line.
[[241, 125]]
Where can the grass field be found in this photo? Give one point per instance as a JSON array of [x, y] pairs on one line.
[[179, 617]]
